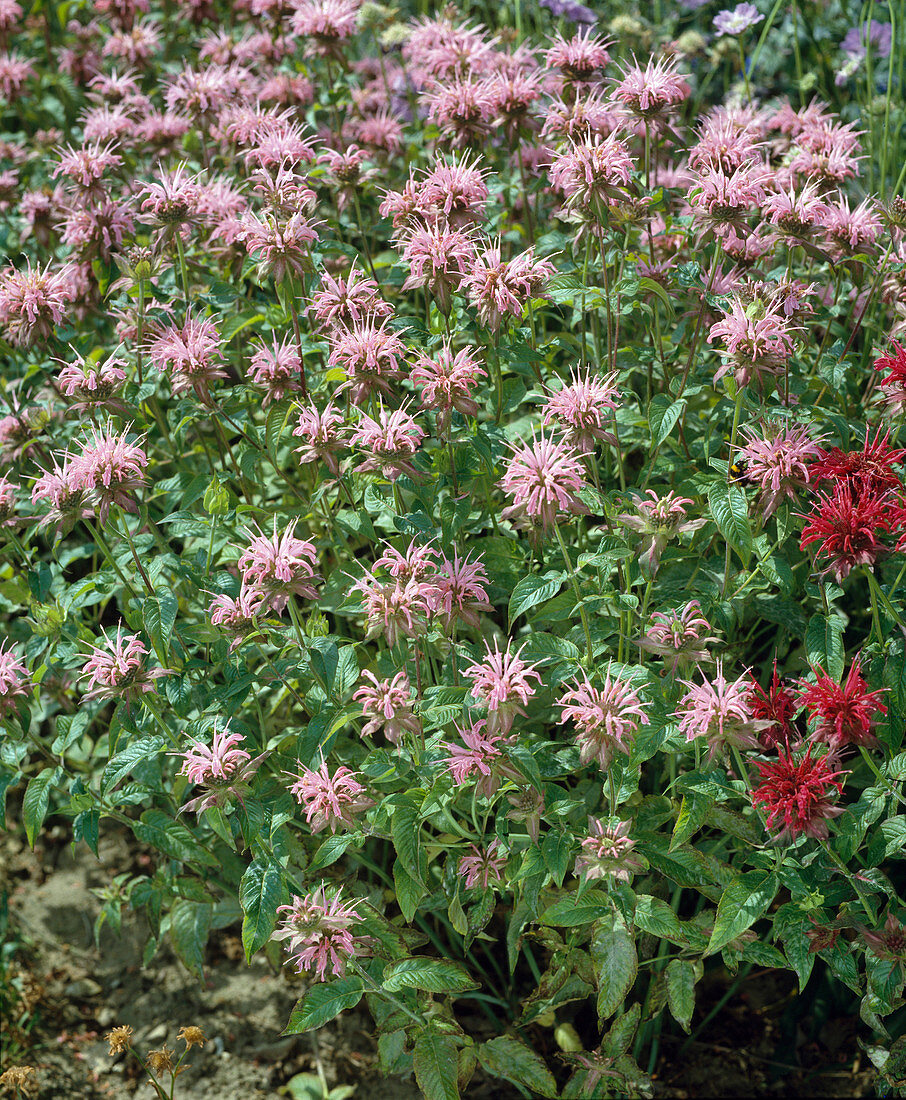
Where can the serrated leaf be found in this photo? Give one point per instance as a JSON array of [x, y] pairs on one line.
[[572, 911], [532, 590], [171, 837], [261, 891], [693, 813], [121, 764], [824, 644], [190, 923], [159, 616], [323, 1002], [555, 850], [730, 512], [745, 899], [277, 416], [409, 891], [615, 961], [36, 800], [681, 991], [405, 830], [514, 1061], [662, 417], [331, 849], [432, 975], [435, 1059]]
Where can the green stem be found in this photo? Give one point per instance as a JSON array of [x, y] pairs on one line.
[[575, 582]]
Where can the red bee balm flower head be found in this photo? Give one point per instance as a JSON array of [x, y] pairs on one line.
[[776, 705], [845, 712], [868, 470], [796, 795], [847, 526]]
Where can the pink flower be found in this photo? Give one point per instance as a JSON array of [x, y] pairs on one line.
[[418, 562], [192, 354], [447, 382], [237, 615], [325, 24], [7, 506], [606, 719], [318, 928], [118, 671], [323, 433], [720, 712], [498, 287], [583, 406], [607, 851], [482, 867], [757, 341], [330, 800], [461, 109], [580, 59], [502, 681], [223, 769], [679, 637], [796, 795], [370, 355], [456, 191], [651, 92], [483, 757], [388, 443], [33, 301], [67, 499], [852, 231], [590, 173], [543, 478], [658, 520], [387, 706], [278, 368], [94, 385], [344, 172], [109, 469], [845, 713], [777, 460], [400, 608], [87, 166], [723, 200], [280, 566], [15, 680], [281, 248], [171, 200], [797, 214], [344, 302], [438, 258], [458, 591]]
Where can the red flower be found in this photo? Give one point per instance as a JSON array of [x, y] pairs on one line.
[[796, 796], [845, 712], [895, 363], [776, 704], [847, 525], [868, 469]]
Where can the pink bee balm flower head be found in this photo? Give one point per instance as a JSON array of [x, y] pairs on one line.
[[15, 681], [723, 200], [543, 478], [590, 173], [796, 795], [720, 712], [796, 214], [845, 713], [606, 718], [583, 406], [323, 433], [734, 22], [93, 232], [325, 24], [457, 192], [171, 200], [496, 287], [607, 852], [7, 504], [387, 704], [370, 355], [67, 499], [778, 462], [221, 768], [388, 443], [458, 592], [777, 706], [650, 93], [87, 166], [447, 381], [658, 520], [848, 526], [280, 566], [94, 385], [345, 173], [679, 637], [237, 616], [757, 339], [483, 758], [579, 60], [109, 469], [330, 800], [461, 109], [482, 867], [343, 302], [277, 368], [118, 670], [419, 561], [33, 301], [281, 248], [398, 609], [578, 121], [438, 258], [191, 354], [318, 928], [502, 681], [852, 231]]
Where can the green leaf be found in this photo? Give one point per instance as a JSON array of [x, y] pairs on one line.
[[69, 729], [323, 1002], [618, 1040], [190, 923], [656, 917], [120, 765], [681, 991], [436, 1062], [655, 288], [277, 416], [171, 837], [824, 644], [409, 891], [730, 512], [515, 1061], [532, 590], [432, 975], [261, 890], [571, 911], [745, 899], [555, 850], [35, 802], [331, 850], [693, 813], [662, 417], [405, 829], [615, 961], [159, 616]]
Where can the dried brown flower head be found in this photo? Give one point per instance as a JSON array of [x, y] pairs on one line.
[[18, 1077], [161, 1061], [120, 1039], [192, 1036]]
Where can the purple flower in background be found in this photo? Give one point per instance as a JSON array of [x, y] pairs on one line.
[[570, 9], [877, 35], [738, 20]]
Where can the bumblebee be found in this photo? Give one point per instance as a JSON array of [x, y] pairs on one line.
[[738, 469]]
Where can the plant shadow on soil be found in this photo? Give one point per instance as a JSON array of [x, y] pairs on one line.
[[765, 1041]]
